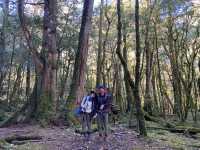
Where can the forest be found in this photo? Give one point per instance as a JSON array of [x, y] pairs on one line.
[[144, 53]]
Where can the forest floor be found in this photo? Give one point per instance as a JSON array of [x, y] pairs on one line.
[[56, 138], [62, 138]]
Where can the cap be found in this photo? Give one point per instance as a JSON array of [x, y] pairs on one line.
[[100, 86]]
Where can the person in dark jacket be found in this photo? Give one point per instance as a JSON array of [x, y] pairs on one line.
[[103, 107]]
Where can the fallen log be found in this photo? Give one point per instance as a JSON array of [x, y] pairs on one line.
[[184, 130], [19, 138], [190, 130], [170, 126], [160, 121]]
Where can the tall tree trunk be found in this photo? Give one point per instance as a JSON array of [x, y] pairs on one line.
[[64, 79], [16, 86], [159, 73], [3, 42], [129, 97], [176, 82], [42, 102], [134, 85], [148, 102], [28, 76], [10, 70], [140, 114], [78, 80], [99, 55], [148, 92], [104, 68], [48, 98], [118, 95], [198, 82]]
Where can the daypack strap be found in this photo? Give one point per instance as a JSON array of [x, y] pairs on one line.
[[85, 99]]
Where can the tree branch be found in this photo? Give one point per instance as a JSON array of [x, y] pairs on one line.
[[27, 34]]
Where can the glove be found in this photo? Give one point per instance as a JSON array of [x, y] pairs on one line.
[[101, 107], [95, 115]]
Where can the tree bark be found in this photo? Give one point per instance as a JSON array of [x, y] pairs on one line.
[[42, 102], [129, 97], [64, 79], [28, 76], [16, 86], [78, 80], [48, 98], [148, 104], [10, 70], [99, 55], [3, 37], [134, 85]]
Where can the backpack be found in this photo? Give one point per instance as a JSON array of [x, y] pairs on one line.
[[114, 108], [88, 107], [78, 110]]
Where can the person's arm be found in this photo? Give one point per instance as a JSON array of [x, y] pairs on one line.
[[83, 102], [108, 103], [97, 104]]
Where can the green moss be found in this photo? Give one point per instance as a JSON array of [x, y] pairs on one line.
[[31, 146], [176, 141], [45, 111], [2, 115], [6, 146]]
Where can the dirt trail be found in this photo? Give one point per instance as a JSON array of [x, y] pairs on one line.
[[66, 139]]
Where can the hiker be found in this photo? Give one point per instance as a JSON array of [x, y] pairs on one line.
[[86, 114], [103, 109]]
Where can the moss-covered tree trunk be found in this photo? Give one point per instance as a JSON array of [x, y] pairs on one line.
[[28, 76], [42, 103], [99, 54], [134, 85], [148, 101], [176, 81], [48, 98], [3, 37], [78, 80], [198, 82], [139, 112], [129, 95]]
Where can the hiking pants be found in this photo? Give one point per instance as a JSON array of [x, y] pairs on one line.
[[103, 123], [86, 123]]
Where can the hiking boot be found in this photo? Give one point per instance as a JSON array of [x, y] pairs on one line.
[[88, 137], [99, 137], [105, 137], [84, 136]]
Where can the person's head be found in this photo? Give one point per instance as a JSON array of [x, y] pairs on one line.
[[102, 91], [92, 93]]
